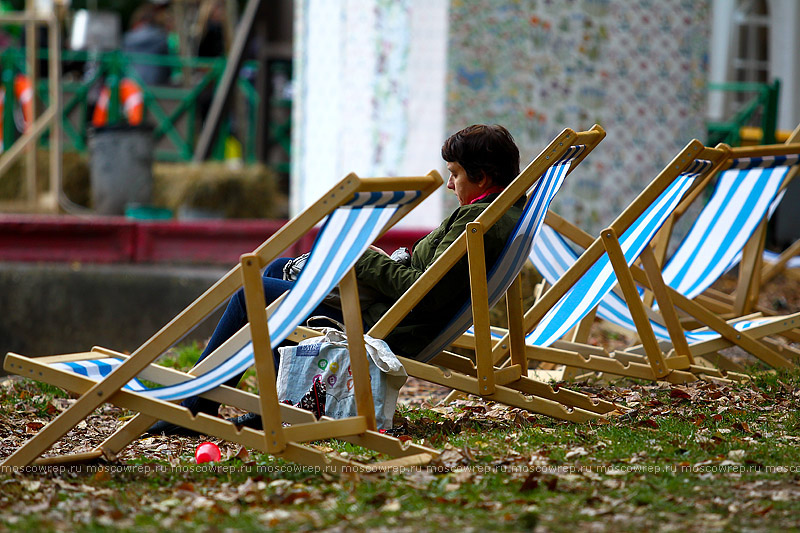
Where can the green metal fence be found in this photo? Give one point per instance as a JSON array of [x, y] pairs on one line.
[[174, 110], [761, 110]]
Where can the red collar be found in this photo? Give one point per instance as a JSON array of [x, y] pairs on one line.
[[491, 190]]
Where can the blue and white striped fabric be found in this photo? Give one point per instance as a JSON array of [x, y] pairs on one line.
[[98, 369], [726, 223], [743, 195], [344, 237], [599, 279], [772, 257], [516, 250], [554, 255], [767, 161]]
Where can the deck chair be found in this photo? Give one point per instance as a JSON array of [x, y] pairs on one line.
[[606, 261], [356, 211], [775, 263], [748, 187], [541, 179], [758, 265]]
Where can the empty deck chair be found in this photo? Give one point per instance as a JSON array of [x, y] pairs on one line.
[[775, 263], [607, 261], [757, 265], [356, 211], [540, 180], [746, 191]]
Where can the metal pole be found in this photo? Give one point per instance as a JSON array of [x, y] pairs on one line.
[[31, 64], [54, 79], [225, 85]]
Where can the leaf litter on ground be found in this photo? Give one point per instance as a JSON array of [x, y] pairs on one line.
[[700, 456]]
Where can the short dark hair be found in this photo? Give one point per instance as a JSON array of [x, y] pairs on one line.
[[484, 149], [144, 14]]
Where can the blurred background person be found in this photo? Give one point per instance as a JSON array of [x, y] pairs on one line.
[[147, 36]]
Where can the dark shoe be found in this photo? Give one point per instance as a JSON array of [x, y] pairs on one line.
[[162, 427], [195, 405], [249, 420], [314, 401]]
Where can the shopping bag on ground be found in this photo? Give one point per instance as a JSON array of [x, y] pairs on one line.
[[327, 357]]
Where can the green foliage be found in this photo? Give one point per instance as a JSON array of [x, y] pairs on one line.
[[182, 357]]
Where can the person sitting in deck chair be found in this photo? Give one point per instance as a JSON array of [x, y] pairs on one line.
[[482, 161]]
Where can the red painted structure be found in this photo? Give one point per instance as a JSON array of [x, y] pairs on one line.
[[122, 240]]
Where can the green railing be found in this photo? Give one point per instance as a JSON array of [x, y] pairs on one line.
[[172, 110], [764, 101]]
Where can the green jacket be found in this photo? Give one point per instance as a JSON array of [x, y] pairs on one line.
[[436, 309]]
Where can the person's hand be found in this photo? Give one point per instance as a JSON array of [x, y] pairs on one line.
[[380, 251]]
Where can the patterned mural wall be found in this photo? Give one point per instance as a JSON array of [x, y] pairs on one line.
[[637, 68]]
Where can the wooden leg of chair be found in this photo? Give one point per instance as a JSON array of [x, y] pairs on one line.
[[579, 334], [480, 308], [771, 270], [275, 439], [638, 313], [740, 338]]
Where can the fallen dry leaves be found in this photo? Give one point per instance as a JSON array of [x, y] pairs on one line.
[[570, 474]]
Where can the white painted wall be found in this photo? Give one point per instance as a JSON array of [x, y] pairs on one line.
[[784, 50], [785, 59], [719, 54], [369, 95]]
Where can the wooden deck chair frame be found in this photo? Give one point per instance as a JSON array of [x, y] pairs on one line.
[[752, 274], [766, 350], [284, 442], [509, 386], [632, 362], [753, 271], [654, 365]]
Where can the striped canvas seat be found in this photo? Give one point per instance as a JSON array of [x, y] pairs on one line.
[[552, 254], [353, 214], [743, 195], [345, 235], [98, 369], [600, 279]]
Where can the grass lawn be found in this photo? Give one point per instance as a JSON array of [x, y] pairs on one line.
[[701, 457]]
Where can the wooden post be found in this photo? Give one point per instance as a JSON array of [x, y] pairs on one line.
[[516, 331], [54, 83], [359, 365], [225, 85], [31, 40], [665, 305], [635, 305], [262, 352], [480, 308]]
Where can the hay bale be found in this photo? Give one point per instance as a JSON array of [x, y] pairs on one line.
[[235, 192], [248, 191], [75, 177]]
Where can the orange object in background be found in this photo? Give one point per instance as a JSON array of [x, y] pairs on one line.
[[130, 94], [23, 91]]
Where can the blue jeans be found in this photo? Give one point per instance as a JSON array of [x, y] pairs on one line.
[[235, 317]]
